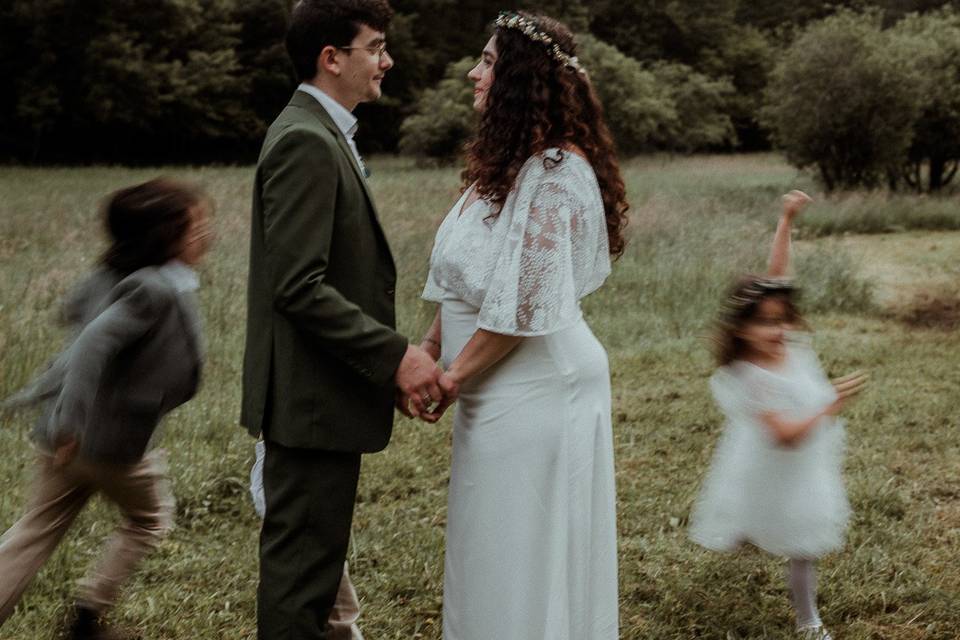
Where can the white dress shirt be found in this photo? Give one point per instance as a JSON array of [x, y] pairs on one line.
[[345, 121]]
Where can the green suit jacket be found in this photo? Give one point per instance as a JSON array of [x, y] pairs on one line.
[[321, 350]]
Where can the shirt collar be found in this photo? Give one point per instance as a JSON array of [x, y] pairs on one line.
[[182, 277], [345, 121]]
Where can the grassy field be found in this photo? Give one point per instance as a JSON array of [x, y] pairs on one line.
[[883, 289]]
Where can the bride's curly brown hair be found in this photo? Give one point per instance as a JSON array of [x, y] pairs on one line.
[[533, 104]]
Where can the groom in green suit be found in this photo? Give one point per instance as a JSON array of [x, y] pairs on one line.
[[323, 365]]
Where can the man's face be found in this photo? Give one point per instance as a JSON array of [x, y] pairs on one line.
[[364, 65]]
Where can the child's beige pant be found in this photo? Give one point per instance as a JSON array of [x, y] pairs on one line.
[[140, 491], [346, 610]]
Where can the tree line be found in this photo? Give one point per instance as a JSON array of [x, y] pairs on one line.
[[199, 80]]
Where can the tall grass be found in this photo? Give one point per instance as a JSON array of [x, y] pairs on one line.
[[680, 264], [882, 213], [696, 223]]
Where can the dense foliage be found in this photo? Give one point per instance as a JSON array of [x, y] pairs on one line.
[[199, 80], [931, 45], [888, 115], [850, 119]]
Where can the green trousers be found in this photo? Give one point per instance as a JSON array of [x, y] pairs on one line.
[[309, 496]]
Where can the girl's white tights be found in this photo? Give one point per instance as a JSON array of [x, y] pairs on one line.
[[802, 579]]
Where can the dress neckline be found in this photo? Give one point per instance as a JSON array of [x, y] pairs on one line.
[[462, 206], [781, 370]]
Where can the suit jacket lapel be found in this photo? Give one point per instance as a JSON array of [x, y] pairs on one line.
[[309, 103]]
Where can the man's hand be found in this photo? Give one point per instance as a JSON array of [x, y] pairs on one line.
[[402, 403], [416, 379]]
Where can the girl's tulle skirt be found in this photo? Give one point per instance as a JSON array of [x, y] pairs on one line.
[[787, 501]]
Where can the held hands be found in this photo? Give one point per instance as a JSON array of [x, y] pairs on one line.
[[450, 386], [847, 387], [794, 202], [423, 390]]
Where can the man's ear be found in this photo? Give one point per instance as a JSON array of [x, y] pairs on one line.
[[327, 61]]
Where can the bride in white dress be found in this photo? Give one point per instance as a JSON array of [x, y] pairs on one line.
[[531, 550]]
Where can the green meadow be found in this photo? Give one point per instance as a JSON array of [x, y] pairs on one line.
[[881, 285]]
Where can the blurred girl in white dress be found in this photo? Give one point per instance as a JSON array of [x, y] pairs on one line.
[[531, 525], [775, 480]]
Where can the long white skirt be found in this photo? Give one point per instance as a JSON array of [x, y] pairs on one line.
[[531, 526]]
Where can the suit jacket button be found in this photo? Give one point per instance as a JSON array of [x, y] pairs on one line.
[[391, 291]]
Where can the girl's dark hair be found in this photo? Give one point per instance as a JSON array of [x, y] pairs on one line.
[[535, 103], [741, 307], [147, 223], [317, 24]]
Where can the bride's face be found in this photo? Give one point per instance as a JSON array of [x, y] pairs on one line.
[[482, 75]]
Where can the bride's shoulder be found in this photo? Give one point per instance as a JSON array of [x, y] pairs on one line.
[[553, 161], [560, 156]]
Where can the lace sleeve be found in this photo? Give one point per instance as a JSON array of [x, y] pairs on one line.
[[432, 292], [554, 253]]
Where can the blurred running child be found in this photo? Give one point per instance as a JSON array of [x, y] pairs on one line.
[[136, 356]]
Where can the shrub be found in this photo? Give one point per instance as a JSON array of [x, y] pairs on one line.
[[700, 103], [637, 108], [444, 116], [931, 44], [667, 106], [842, 99]]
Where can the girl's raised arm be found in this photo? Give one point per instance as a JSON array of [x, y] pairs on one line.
[[793, 203]]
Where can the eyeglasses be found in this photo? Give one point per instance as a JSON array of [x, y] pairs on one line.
[[380, 50]]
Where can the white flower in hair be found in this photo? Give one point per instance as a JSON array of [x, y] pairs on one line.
[[530, 28]]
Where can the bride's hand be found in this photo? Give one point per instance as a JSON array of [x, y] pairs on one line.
[[432, 347], [450, 387]]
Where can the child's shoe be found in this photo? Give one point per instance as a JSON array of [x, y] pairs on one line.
[[86, 624]]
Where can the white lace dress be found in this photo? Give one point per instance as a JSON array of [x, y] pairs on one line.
[[789, 501], [531, 522]]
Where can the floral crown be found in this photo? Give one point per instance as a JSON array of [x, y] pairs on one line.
[[750, 294], [530, 28]]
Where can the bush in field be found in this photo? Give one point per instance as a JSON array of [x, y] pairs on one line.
[[844, 100], [666, 106], [636, 106], [700, 103], [125, 79], [444, 116], [931, 43]]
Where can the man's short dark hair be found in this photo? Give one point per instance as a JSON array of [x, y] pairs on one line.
[[315, 24]]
